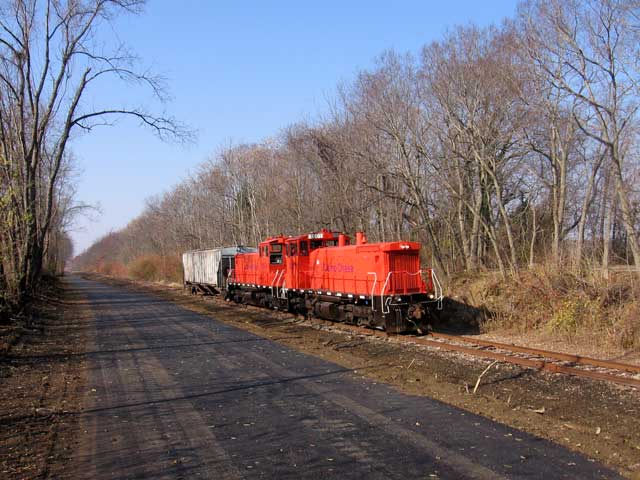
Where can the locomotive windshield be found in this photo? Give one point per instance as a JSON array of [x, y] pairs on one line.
[[276, 254], [292, 250], [316, 244]]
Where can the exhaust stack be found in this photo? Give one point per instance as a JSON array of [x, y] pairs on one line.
[[361, 238]]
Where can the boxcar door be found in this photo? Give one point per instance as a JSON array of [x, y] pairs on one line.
[[227, 263]]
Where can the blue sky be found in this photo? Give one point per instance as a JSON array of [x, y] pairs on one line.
[[241, 71]]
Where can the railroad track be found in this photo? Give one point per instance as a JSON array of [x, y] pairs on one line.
[[537, 359], [556, 362]]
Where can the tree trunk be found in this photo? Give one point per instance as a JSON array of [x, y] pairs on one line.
[[582, 222], [609, 202], [534, 233], [625, 208]]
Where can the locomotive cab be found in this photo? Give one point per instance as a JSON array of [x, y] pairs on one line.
[[271, 253], [300, 251]]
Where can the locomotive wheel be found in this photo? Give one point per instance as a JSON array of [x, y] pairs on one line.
[[363, 322]]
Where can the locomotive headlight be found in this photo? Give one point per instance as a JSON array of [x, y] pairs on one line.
[[404, 247], [431, 296]]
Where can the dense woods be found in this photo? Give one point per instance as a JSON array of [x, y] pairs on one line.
[[497, 148], [50, 58]]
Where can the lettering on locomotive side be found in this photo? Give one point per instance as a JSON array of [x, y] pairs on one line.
[[254, 266], [338, 268]]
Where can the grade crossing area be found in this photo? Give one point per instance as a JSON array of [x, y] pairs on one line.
[[178, 395]]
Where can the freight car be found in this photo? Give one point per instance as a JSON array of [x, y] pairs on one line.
[[206, 271], [378, 285]]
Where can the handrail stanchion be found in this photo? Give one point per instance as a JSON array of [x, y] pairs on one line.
[[384, 287], [437, 288], [373, 289], [275, 277]]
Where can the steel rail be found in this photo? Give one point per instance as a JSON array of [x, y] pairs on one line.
[[567, 357], [536, 364], [501, 357], [523, 362]]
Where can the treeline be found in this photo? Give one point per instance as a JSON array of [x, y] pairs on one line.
[[497, 148], [49, 60]]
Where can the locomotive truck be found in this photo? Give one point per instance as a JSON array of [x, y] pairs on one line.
[[325, 274]]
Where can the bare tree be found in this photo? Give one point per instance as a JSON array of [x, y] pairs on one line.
[[589, 50], [497, 148], [49, 61]]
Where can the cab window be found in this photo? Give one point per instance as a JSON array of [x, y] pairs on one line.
[[304, 248], [331, 243], [316, 244], [276, 254], [294, 249]]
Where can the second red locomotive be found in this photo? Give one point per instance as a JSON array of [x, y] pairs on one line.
[[323, 274]]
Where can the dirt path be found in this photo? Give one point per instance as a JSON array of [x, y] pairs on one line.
[[174, 394], [42, 386]]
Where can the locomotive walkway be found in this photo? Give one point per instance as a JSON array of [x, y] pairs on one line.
[[174, 394]]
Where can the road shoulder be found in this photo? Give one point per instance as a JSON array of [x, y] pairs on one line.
[[42, 384]]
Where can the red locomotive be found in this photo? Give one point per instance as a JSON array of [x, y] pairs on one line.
[[323, 274]]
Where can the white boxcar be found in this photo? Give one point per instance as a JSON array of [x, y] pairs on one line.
[[207, 270]]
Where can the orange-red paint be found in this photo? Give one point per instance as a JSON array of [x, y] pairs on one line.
[[319, 262]]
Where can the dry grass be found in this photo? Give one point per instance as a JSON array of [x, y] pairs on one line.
[[156, 268], [585, 309], [150, 268], [112, 269]]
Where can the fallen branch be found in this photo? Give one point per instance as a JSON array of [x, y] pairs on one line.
[[348, 345], [482, 375]]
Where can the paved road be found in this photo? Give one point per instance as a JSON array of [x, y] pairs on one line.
[[179, 395]]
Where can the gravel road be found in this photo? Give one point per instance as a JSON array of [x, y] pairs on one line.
[[174, 394]]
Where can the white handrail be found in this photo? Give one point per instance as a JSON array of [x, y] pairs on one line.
[[386, 283], [375, 280], [282, 274], [275, 278], [384, 287], [438, 289]]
